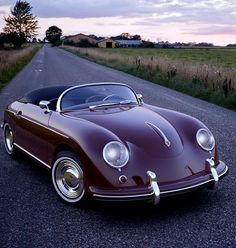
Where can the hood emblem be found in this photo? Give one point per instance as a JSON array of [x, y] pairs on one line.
[[159, 132]]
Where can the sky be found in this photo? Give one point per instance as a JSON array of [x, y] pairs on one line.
[[212, 21]]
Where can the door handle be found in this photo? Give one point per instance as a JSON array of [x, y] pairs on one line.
[[18, 114]]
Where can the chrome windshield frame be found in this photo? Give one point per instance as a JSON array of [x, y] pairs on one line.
[[58, 106]]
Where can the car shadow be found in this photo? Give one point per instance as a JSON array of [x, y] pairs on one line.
[[182, 205]]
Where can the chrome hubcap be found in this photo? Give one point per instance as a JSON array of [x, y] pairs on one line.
[[69, 178], [8, 138]]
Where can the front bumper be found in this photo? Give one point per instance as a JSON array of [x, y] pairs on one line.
[[153, 192]]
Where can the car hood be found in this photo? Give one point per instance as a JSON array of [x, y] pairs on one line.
[[138, 127]]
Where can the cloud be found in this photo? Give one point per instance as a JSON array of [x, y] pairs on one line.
[[5, 2], [213, 30], [199, 11], [4, 10], [161, 10], [88, 9], [109, 24], [150, 11]]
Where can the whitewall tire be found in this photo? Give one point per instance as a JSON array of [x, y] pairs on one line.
[[68, 177]]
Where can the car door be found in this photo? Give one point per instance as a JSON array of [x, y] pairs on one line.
[[33, 130]]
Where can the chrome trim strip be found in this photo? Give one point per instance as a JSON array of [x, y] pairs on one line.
[[123, 196], [30, 154], [196, 185], [58, 107], [160, 132], [41, 125], [10, 111]]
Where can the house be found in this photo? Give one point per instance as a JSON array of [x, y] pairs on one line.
[[107, 43], [129, 43], [111, 43]]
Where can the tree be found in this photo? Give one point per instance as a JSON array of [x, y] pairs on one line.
[[125, 35], [136, 37], [21, 24], [53, 35], [3, 39], [6, 38]]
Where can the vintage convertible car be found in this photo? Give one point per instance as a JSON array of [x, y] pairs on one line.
[[102, 140]]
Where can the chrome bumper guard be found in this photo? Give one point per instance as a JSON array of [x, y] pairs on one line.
[[210, 167], [153, 184]]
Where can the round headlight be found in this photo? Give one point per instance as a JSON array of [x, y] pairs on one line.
[[205, 139], [115, 154]]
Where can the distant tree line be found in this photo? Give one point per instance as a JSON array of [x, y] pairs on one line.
[[231, 45], [126, 36], [204, 44]]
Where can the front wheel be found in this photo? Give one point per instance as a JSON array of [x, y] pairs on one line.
[[8, 139], [68, 177]]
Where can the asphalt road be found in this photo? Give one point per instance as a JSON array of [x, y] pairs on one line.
[[31, 214]]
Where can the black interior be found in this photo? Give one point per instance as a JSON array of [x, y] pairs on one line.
[[48, 93]]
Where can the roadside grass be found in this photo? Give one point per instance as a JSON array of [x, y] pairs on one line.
[[12, 61], [210, 77]]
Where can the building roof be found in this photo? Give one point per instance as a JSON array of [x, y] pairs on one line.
[[130, 42], [80, 37]]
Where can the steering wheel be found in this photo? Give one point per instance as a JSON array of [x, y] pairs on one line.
[[94, 98], [112, 96]]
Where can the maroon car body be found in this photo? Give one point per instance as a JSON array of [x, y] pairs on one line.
[[103, 140]]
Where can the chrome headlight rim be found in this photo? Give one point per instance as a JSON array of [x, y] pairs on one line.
[[125, 151], [210, 136]]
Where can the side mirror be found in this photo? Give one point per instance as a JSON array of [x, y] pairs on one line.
[[140, 98], [44, 105]]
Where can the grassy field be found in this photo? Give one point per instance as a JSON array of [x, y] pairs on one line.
[[221, 57], [206, 73], [12, 61]]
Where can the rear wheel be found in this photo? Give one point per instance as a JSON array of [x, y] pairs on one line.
[[68, 177], [8, 139]]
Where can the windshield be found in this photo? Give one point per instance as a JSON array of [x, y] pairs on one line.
[[93, 96]]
